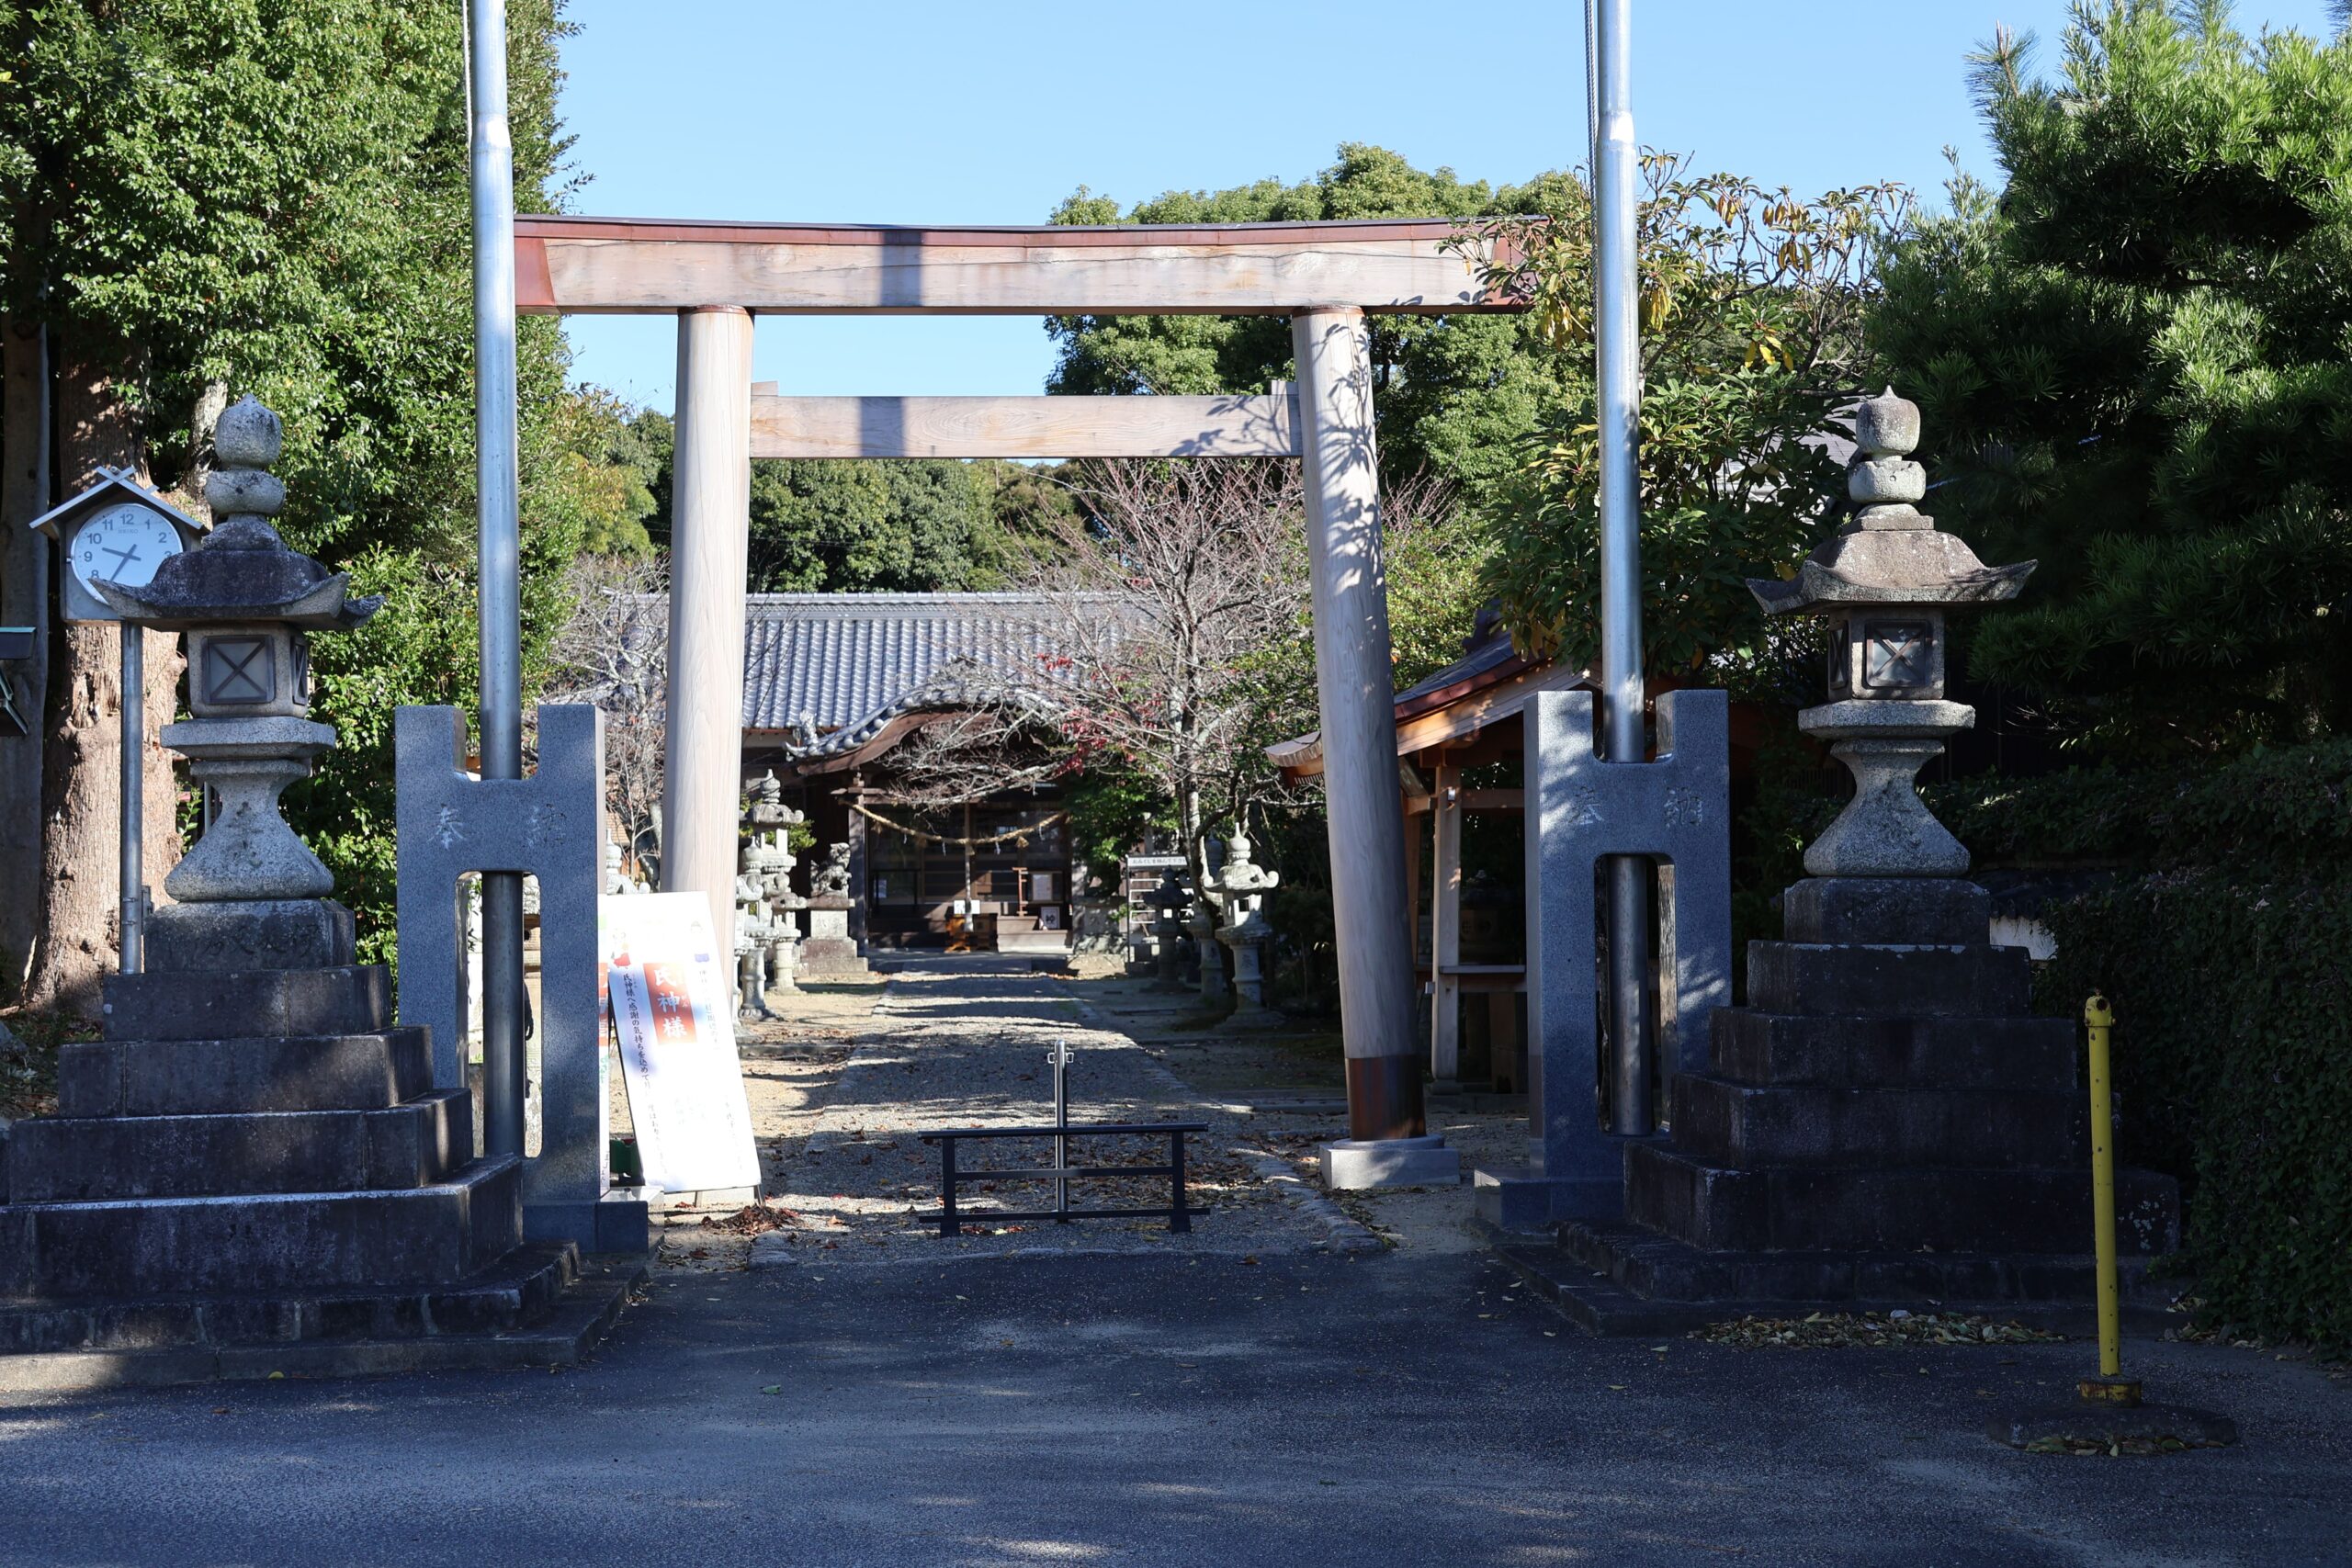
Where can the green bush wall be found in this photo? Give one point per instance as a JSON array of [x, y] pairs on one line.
[[2233, 995]]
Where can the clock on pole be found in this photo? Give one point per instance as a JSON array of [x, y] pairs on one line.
[[119, 532], [115, 531]]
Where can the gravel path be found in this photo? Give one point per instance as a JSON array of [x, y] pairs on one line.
[[847, 1170]]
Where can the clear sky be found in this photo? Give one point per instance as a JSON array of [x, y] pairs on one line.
[[947, 111]]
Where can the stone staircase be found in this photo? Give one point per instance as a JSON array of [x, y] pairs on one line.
[[252, 1169], [1884, 1125]]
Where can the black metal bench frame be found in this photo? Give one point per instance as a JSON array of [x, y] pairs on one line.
[[950, 1217]]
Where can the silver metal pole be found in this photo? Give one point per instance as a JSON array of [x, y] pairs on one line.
[[1618, 386], [131, 868], [504, 1066]]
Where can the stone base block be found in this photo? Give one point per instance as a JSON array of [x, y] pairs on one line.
[[1354, 1165], [1752, 1047], [65, 1160], [268, 1242], [1816, 979], [193, 1077], [1800, 1209], [1939, 910], [232, 1003], [509, 1318], [1749, 1125], [1516, 1199], [824, 955], [617, 1222], [281, 933]]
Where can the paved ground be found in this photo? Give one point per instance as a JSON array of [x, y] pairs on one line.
[[1258, 1396], [1389, 1409]]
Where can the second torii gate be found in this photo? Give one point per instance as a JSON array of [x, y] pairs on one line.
[[1325, 276]]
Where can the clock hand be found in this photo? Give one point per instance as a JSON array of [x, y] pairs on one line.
[[129, 555]]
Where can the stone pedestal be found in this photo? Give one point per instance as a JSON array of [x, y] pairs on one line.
[[1354, 1163], [1884, 1124], [254, 1170], [826, 951]]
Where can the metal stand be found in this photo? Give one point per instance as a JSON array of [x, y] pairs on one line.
[[1059, 1057], [131, 866]]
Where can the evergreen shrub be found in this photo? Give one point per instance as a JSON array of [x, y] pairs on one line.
[[2231, 990]]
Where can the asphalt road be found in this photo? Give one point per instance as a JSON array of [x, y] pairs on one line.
[[1300, 1411]]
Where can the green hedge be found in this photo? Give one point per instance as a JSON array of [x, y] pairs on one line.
[[2232, 996], [2289, 806]]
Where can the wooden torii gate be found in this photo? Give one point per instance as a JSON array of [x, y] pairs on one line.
[[1325, 276]]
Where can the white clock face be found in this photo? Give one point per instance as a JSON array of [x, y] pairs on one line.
[[123, 544]]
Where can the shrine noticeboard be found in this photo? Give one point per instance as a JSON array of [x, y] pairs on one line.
[[673, 1013]]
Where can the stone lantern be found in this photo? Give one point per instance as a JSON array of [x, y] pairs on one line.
[[248, 604], [1885, 584], [1238, 890]]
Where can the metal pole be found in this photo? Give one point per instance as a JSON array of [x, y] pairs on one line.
[[1061, 1138], [504, 1067], [131, 868], [2098, 1020], [1618, 391]]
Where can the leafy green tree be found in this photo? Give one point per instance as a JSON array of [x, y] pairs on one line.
[[2135, 366], [270, 196], [857, 526], [1452, 393], [1750, 323]]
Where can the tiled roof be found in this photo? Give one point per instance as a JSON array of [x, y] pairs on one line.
[[834, 661]]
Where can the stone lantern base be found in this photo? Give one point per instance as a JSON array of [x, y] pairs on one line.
[[252, 1173], [1885, 1125]]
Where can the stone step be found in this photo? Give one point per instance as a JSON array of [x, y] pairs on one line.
[[512, 1292], [561, 1336], [1755, 1047], [371, 1071], [58, 1159], [1747, 1126], [230, 1003], [1586, 1275], [1815, 978], [271, 1242], [1810, 1209], [1658, 1267]]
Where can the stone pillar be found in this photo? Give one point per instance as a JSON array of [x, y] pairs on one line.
[[1356, 696], [710, 510], [1445, 928]]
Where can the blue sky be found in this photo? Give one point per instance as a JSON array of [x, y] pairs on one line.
[[925, 112]]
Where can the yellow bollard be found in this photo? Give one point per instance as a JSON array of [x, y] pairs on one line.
[[2111, 1386]]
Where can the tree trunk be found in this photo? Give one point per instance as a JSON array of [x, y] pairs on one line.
[[81, 763], [23, 601]]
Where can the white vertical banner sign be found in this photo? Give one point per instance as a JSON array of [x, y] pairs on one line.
[[673, 1011]]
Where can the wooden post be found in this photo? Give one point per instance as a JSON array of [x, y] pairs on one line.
[[1446, 927], [1359, 723], [710, 508]]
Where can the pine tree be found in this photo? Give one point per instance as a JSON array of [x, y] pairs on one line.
[[2135, 365]]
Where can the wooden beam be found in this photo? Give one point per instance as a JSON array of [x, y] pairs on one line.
[[1025, 427], [587, 266]]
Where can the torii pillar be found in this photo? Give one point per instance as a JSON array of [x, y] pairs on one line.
[[1386, 1145], [710, 511]]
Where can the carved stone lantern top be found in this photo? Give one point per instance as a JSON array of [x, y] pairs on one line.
[[1891, 553], [241, 571]]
